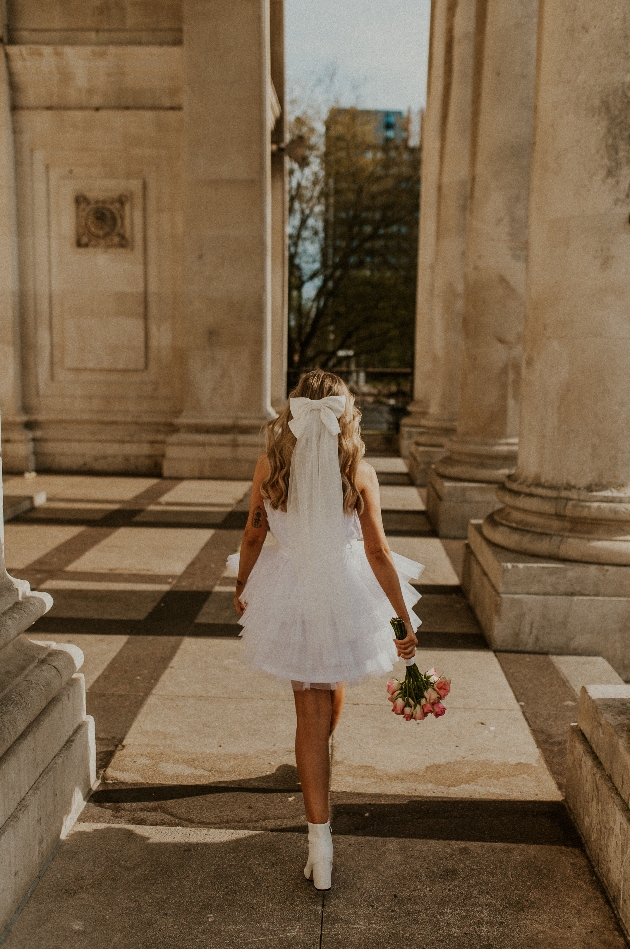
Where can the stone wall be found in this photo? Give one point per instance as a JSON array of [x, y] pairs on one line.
[[114, 205]]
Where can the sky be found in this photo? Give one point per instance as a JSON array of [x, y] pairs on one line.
[[377, 50]]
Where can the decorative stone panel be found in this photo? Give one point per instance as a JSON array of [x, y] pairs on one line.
[[103, 222]]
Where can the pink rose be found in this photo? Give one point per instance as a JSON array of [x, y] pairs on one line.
[[392, 696], [438, 709], [431, 696], [433, 675], [407, 713], [398, 707], [392, 686], [426, 708], [443, 686], [419, 714]]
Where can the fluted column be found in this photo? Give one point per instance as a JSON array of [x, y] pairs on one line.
[[566, 515], [444, 328], [228, 114], [431, 143], [483, 451]]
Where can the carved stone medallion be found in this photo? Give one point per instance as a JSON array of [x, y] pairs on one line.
[[103, 222]]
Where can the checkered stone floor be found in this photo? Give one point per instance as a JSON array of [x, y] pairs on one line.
[[196, 831]]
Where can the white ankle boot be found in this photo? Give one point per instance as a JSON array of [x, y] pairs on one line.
[[320, 855]]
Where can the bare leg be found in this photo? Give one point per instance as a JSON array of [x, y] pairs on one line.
[[314, 708], [338, 698]]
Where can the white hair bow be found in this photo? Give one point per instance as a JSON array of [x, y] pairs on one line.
[[330, 410]]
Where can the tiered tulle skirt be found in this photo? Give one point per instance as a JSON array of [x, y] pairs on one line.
[[275, 632]]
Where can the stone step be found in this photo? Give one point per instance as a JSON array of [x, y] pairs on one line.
[[16, 504]]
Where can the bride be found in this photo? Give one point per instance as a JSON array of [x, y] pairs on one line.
[[315, 607]]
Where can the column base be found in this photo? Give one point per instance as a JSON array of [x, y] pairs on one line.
[[419, 462], [410, 427], [17, 447], [219, 454], [452, 504], [532, 604], [101, 447]]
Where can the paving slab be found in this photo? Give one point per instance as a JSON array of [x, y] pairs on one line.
[[401, 498], [207, 492], [446, 613], [104, 604], [387, 464], [421, 894], [118, 887], [488, 753], [438, 569], [81, 487], [25, 543], [144, 549]]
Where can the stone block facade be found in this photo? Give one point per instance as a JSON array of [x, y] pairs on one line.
[[143, 274]]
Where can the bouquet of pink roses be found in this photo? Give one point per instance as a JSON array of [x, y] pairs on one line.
[[417, 695]]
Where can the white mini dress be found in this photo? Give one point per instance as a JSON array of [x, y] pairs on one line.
[[276, 634]]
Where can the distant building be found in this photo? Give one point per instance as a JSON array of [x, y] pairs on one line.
[[371, 233]]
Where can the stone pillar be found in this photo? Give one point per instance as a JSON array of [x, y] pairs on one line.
[[448, 273], [550, 570], [47, 746], [279, 244], [431, 144], [17, 441], [462, 485], [226, 321]]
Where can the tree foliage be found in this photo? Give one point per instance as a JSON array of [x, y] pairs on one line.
[[353, 219]]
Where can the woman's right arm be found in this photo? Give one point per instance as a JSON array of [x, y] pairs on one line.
[[380, 556]]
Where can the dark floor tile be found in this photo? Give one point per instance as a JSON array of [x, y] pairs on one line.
[[407, 524], [444, 612]]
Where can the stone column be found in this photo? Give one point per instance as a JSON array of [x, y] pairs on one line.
[[448, 272], [17, 441], [462, 485], [226, 319], [550, 570], [279, 244], [431, 144], [47, 746]]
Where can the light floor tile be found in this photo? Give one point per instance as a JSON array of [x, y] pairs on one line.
[[387, 465], [207, 492], [212, 668], [98, 651], [104, 604], [102, 585], [438, 568], [25, 543], [80, 487], [401, 498], [196, 740], [488, 753], [144, 550]]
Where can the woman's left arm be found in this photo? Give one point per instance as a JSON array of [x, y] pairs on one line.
[[254, 534]]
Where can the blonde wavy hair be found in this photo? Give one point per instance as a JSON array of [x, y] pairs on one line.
[[316, 384]]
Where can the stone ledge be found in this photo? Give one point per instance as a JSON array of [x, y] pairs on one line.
[[15, 504], [580, 671], [603, 820], [44, 816], [565, 624], [22, 614], [452, 504], [604, 718], [30, 694], [420, 459], [30, 755], [516, 573]]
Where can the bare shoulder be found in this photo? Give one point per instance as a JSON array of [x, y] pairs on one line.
[[366, 476]]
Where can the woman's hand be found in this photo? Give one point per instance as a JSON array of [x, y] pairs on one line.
[[406, 647], [238, 606]]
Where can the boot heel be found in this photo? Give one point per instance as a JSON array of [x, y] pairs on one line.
[[322, 874]]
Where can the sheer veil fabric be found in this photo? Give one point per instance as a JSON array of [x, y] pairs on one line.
[[316, 535]]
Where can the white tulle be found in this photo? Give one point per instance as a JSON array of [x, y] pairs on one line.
[[315, 611]]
